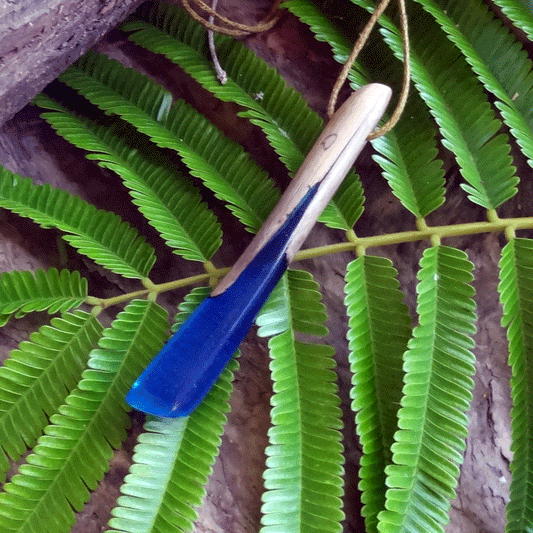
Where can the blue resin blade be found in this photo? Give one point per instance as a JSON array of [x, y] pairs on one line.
[[184, 371]]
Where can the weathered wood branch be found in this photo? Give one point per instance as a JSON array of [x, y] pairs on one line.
[[40, 38]]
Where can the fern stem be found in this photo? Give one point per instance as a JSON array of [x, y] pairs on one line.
[[360, 244], [492, 216], [351, 236], [103, 303], [431, 232], [92, 300], [191, 280], [154, 289]]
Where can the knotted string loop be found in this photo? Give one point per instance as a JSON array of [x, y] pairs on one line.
[[236, 29]]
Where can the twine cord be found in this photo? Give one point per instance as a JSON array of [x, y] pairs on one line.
[[358, 46], [406, 76], [236, 29], [221, 73]]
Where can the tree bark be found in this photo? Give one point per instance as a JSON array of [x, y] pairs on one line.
[[41, 38]]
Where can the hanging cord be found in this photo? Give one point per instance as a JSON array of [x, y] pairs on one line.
[[359, 44], [221, 73], [235, 29]]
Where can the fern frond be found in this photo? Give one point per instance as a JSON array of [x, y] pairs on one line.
[[487, 46], [519, 11], [73, 455], [222, 164], [174, 459], [407, 153], [22, 292], [38, 376], [408, 159], [304, 460], [457, 101], [433, 422], [289, 124], [100, 235], [379, 329], [165, 197], [516, 296]]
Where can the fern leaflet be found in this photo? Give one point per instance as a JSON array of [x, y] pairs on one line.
[[289, 124], [516, 295], [37, 377], [165, 197], [433, 422], [22, 292], [519, 11], [487, 46], [379, 329], [457, 101], [221, 163], [304, 460], [61, 472], [407, 154], [173, 459], [98, 234]]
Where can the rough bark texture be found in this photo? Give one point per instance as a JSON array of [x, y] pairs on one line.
[[40, 38], [28, 146]]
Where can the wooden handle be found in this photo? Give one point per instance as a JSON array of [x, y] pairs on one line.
[[326, 165]]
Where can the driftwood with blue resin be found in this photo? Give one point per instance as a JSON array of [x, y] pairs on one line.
[[184, 371]]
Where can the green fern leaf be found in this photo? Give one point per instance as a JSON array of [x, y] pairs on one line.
[[487, 46], [461, 109], [408, 159], [290, 125], [407, 153], [433, 422], [22, 292], [516, 295], [379, 329], [520, 12], [304, 460], [73, 455], [98, 234], [305, 316], [222, 164], [174, 459], [37, 377], [165, 197]]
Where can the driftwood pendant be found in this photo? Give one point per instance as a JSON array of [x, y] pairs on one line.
[[186, 368]]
